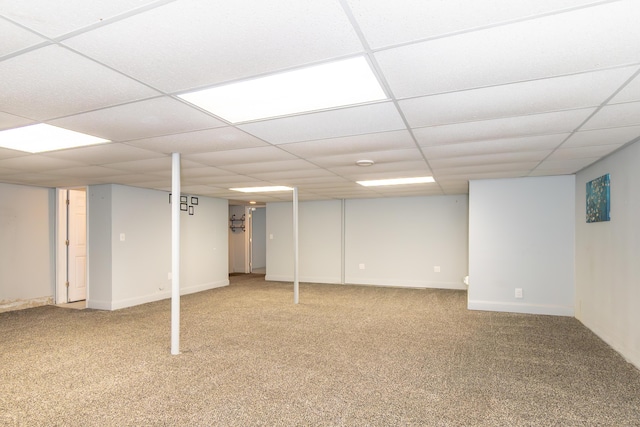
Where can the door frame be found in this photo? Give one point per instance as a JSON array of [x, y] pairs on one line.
[[60, 295]]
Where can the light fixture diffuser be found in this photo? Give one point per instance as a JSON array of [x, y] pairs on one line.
[[397, 181], [329, 85], [262, 189], [42, 137]]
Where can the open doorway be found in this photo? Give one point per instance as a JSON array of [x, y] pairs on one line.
[[258, 240], [247, 239], [71, 247]]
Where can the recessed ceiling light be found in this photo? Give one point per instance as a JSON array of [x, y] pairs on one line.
[[365, 162], [397, 181], [252, 202], [262, 189], [42, 137], [330, 85]]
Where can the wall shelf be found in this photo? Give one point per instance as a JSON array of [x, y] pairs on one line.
[[236, 223]]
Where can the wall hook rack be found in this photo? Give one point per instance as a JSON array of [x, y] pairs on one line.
[[235, 223]]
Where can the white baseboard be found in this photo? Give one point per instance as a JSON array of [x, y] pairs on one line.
[[144, 299], [421, 284], [305, 279], [553, 310]]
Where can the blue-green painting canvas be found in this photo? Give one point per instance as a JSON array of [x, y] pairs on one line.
[[598, 199]]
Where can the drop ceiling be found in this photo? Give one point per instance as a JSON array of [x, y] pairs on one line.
[[474, 90]]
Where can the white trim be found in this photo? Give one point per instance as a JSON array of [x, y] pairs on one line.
[[553, 310], [145, 299]]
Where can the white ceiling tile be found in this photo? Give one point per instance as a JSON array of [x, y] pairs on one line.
[[603, 137], [56, 19], [583, 152], [87, 171], [568, 165], [516, 168], [364, 119], [631, 92], [265, 166], [535, 124], [54, 82], [489, 159], [198, 172], [413, 190], [386, 23], [4, 172], [157, 165], [9, 121], [142, 119], [241, 156], [489, 175], [15, 38], [103, 153], [208, 140], [615, 116], [521, 144], [216, 39], [553, 172], [37, 163], [587, 39], [405, 169], [133, 179], [393, 140], [379, 157], [538, 96], [298, 176]]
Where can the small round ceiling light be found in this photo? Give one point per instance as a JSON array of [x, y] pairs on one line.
[[365, 163]]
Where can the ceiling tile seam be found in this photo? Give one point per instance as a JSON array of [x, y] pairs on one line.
[[104, 22], [602, 105], [284, 145], [492, 26], [515, 82], [382, 80], [57, 40], [512, 117]]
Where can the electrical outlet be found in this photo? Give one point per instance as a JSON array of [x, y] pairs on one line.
[[436, 269], [361, 266], [518, 293], [122, 237]]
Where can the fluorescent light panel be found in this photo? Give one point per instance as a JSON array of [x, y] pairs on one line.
[[330, 85], [262, 189], [397, 181], [42, 137]]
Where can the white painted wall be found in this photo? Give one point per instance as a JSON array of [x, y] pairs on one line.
[[399, 240], [27, 248], [140, 263], [99, 246], [521, 235], [608, 255], [319, 241]]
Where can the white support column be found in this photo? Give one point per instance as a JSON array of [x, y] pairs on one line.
[[296, 285], [175, 254], [343, 210]]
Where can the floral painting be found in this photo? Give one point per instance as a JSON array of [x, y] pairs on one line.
[[598, 199]]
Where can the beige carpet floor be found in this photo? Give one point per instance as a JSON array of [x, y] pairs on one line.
[[344, 356]]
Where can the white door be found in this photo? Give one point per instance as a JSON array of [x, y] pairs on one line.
[[77, 237]]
